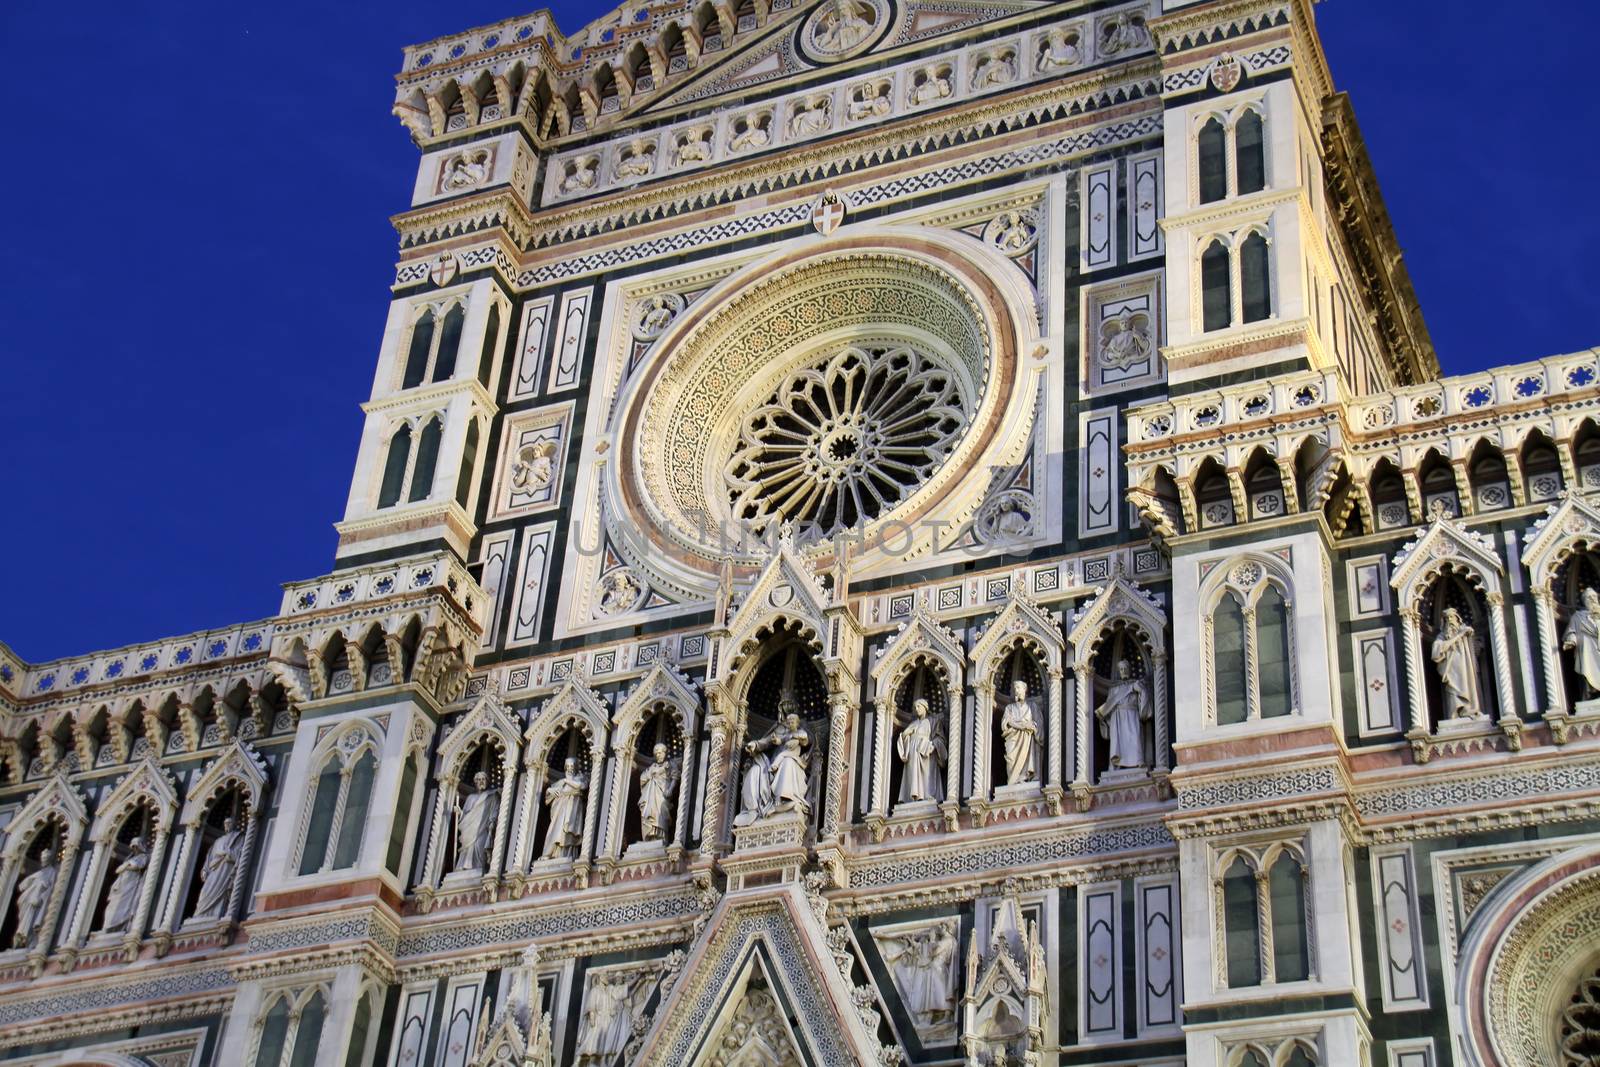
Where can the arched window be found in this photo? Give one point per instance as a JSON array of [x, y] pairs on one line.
[[274, 1034], [1250, 153], [1252, 1058], [1299, 1057], [290, 1033], [444, 364], [1213, 158], [1216, 298], [1254, 283], [336, 820], [394, 468], [491, 340], [427, 460], [420, 352], [309, 1033], [464, 479], [1272, 648], [1291, 952], [1228, 662], [1241, 925]]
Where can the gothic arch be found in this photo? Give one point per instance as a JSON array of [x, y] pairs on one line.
[[574, 706], [1570, 526], [1119, 601], [664, 689], [1022, 623], [57, 802], [920, 641], [489, 722]]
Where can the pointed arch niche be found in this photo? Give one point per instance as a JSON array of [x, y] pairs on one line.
[[226, 800], [1020, 644], [571, 726], [663, 709], [1449, 567], [1563, 560], [47, 831], [488, 742], [134, 820], [1122, 624], [923, 662]]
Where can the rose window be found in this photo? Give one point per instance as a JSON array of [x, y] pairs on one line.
[[1580, 1025], [844, 439]]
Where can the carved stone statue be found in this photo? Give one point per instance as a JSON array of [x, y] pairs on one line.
[[921, 750], [1455, 655], [694, 147], [609, 1008], [994, 68], [33, 897], [216, 875], [1122, 32], [564, 837], [657, 784], [1059, 51], [619, 591], [809, 117], [466, 170], [123, 900], [1124, 340], [923, 964], [777, 776], [870, 103], [935, 85], [637, 160], [757, 133], [476, 819], [1122, 715], [841, 25], [1020, 730], [1583, 637], [582, 173], [535, 466]]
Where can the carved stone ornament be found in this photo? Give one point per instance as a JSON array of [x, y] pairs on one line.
[[842, 28], [1125, 340], [1014, 232], [827, 213], [1225, 73], [653, 314], [620, 591]]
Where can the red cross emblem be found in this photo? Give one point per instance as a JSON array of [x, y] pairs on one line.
[[444, 268], [827, 213]]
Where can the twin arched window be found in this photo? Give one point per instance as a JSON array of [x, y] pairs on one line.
[[1248, 174], [1241, 267], [291, 1028], [431, 356], [1251, 638], [1266, 937], [409, 469], [335, 822]]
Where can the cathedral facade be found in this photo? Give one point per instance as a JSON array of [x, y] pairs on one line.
[[885, 532]]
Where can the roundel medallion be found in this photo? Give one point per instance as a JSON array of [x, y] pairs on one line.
[[839, 29]]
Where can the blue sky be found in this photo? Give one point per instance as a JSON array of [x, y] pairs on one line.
[[199, 255]]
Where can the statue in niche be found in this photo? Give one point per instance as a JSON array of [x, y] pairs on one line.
[[1019, 728], [657, 784], [565, 796], [581, 174], [994, 68], [776, 778], [870, 102], [33, 897], [1124, 340], [216, 874], [757, 133], [656, 313], [637, 160], [841, 25], [476, 819], [1121, 33], [935, 85], [1012, 231], [1583, 637], [609, 1009], [620, 591], [123, 899], [466, 170], [694, 146], [1455, 655], [1059, 51], [535, 466], [1122, 715], [809, 117], [921, 749], [923, 965]]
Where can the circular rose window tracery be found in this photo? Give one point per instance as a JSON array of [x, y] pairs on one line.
[[1580, 1025], [844, 439]]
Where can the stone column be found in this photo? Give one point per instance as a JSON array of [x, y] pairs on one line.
[[147, 892], [171, 913], [840, 706], [1555, 686], [581, 866]]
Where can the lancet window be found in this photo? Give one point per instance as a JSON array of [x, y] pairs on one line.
[[291, 1028], [335, 821], [435, 340], [1236, 279], [1248, 632], [413, 456], [1230, 154], [1262, 900]]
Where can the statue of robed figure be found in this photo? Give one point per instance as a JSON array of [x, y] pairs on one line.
[[1122, 715]]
